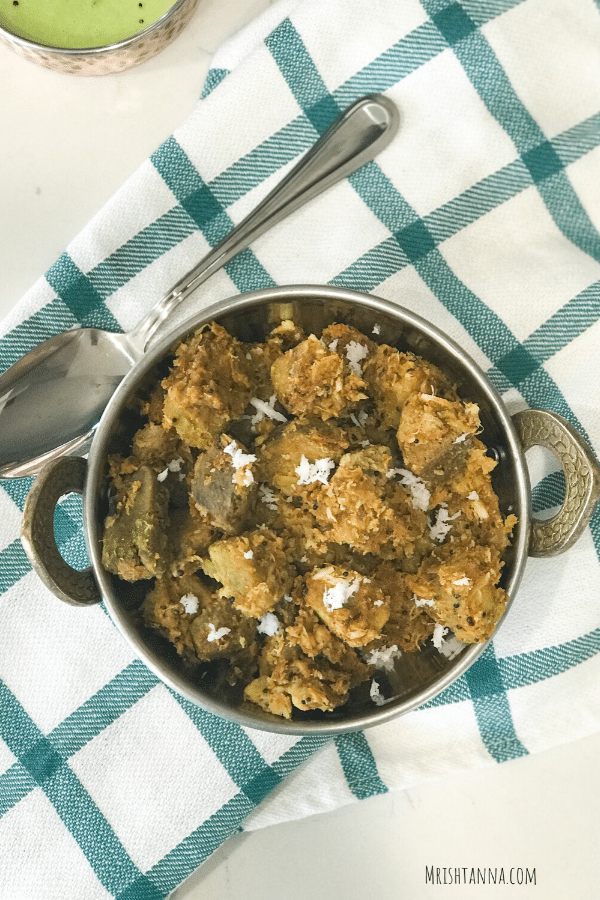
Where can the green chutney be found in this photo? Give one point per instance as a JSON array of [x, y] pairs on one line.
[[78, 24]]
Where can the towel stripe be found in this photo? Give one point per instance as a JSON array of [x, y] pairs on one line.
[[302, 76], [50, 771], [411, 52], [492, 709], [493, 86], [167, 874], [42, 761], [15, 784], [549, 492], [213, 80], [521, 670], [204, 209], [235, 751], [529, 668], [359, 766], [103, 708], [14, 564], [78, 294], [53, 319]]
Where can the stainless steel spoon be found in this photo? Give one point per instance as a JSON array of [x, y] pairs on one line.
[[52, 399]]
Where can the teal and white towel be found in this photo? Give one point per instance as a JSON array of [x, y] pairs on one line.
[[483, 216]]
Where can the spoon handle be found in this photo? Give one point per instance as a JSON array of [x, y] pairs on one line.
[[355, 138]]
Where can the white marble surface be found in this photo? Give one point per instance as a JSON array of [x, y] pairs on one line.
[[67, 145]]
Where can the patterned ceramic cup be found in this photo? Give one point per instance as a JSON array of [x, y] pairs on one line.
[[113, 57]]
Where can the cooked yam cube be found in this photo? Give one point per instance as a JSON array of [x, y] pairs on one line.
[[282, 454], [208, 387], [392, 377], [472, 505], [262, 356], [221, 630], [434, 435], [461, 582], [362, 507], [314, 638], [252, 568], [408, 626], [289, 678], [190, 535], [155, 444], [170, 608], [200, 624], [135, 544], [350, 344], [351, 606], [302, 539], [159, 449], [311, 380], [223, 485], [304, 691]]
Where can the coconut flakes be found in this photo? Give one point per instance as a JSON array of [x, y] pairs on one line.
[[190, 604], [338, 595], [442, 524], [438, 635], [215, 634], [268, 624], [375, 694], [451, 647], [173, 466], [240, 460], [356, 352], [421, 495], [266, 409], [308, 472], [360, 417], [419, 601], [267, 496], [383, 658]]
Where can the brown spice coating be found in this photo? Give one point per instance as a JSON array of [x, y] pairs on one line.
[[311, 380], [209, 386], [309, 555]]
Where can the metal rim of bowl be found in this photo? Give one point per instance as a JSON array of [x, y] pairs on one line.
[[245, 302], [98, 51]]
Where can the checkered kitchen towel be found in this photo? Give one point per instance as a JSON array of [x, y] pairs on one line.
[[482, 216]]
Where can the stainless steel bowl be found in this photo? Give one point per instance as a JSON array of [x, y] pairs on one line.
[[418, 676], [110, 58]]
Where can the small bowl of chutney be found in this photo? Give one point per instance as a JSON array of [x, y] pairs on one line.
[[91, 37]]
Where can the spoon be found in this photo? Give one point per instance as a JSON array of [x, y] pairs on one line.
[[52, 399]]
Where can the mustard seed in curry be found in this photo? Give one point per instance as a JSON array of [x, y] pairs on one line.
[[307, 509]]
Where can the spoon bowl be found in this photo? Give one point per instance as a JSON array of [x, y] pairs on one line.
[[52, 399]]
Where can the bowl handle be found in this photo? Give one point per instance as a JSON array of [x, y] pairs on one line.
[[537, 427], [58, 478]]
